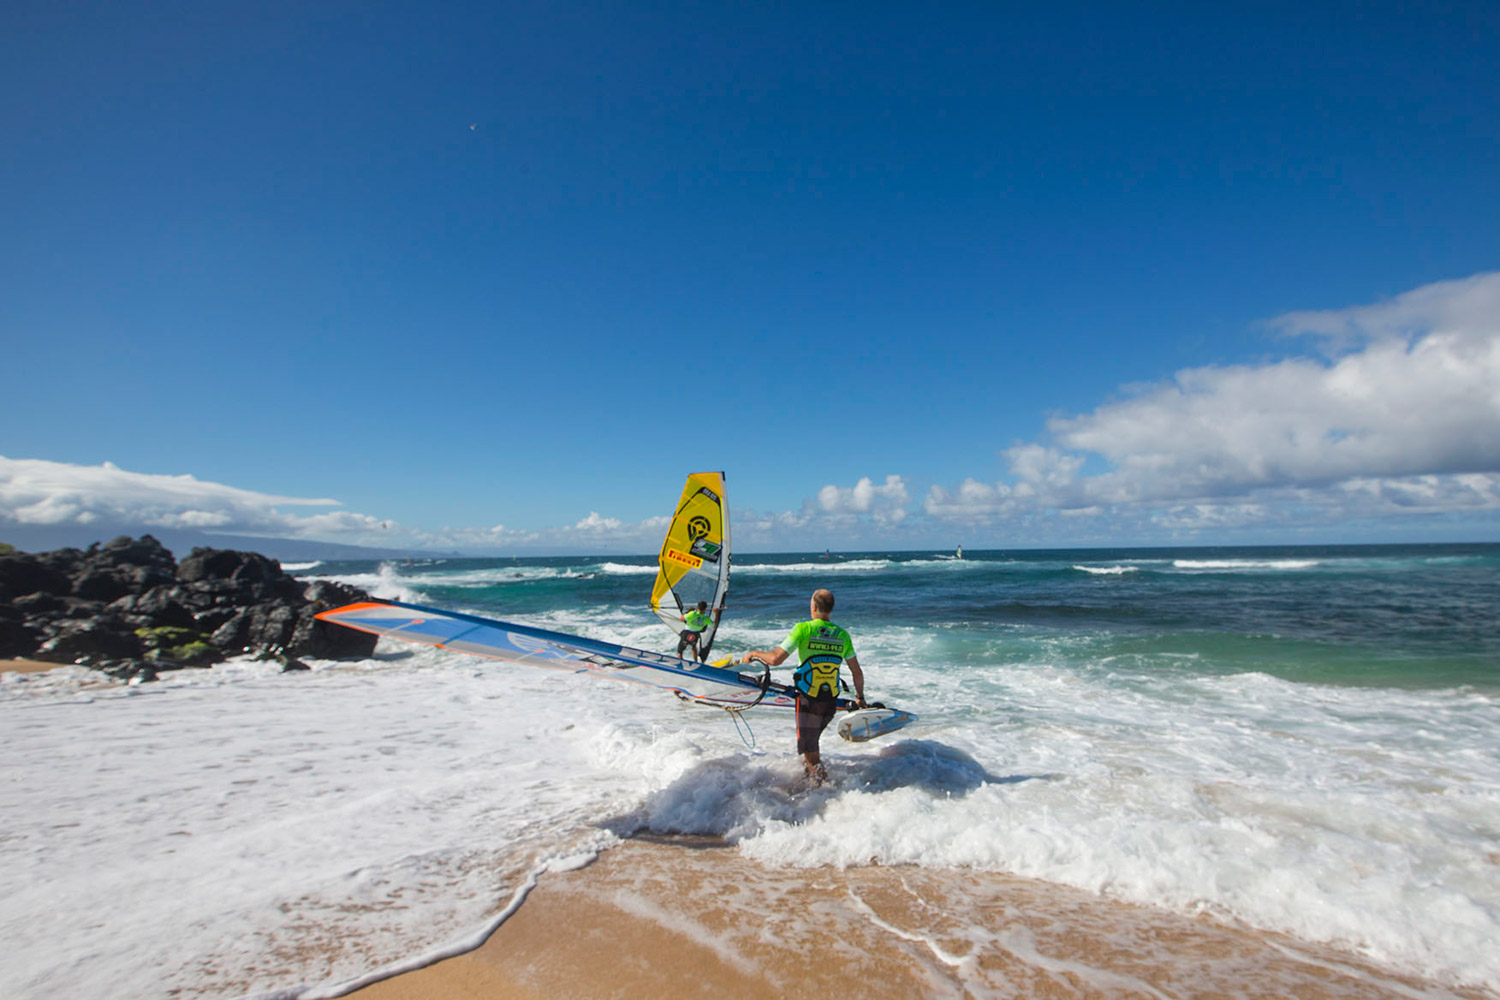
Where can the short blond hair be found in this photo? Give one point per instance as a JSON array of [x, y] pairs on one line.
[[823, 601]]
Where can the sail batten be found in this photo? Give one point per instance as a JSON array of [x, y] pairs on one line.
[[694, 562]]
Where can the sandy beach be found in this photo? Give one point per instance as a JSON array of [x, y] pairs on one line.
[[27, 666], [687, 919]]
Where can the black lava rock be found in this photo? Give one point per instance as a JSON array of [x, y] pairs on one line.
[[128, 608]]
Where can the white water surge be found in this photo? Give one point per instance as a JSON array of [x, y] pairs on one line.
[[240, 831]]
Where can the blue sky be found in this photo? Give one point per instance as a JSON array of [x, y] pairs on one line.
[[495, 277]]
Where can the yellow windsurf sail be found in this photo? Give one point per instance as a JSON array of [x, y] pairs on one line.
[[694, 561]]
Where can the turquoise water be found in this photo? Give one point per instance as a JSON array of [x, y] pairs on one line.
[[1400, 616]]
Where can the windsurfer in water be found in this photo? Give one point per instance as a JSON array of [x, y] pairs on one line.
[[696, 621], [821, 648]]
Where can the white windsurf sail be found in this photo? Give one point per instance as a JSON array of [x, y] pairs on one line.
[[694, 562]]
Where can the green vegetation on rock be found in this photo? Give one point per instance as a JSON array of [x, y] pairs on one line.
[[179, 645]]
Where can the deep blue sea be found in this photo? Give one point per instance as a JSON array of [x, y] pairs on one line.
[[1411, 616]]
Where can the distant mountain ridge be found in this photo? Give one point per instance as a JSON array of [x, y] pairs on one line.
[[45, 538]]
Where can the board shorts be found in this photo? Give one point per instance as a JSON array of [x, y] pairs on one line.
[[813, 716]]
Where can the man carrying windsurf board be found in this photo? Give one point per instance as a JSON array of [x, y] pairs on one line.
[[821, 648]]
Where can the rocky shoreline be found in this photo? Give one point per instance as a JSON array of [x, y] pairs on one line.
[[130, 609]]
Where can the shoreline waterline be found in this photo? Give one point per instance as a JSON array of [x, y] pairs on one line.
[[660, 917]]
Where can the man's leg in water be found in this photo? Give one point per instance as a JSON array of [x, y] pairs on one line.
[[812, 718]]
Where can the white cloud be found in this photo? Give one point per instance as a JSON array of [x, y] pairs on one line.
[[864, 513], [1467, 303], [973, 502], [1405, 419], [885, 504], [596, 525], [1038, 467], [1392, 408], [470, 539], [35, 492]]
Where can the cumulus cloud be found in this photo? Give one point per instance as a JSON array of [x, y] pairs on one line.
[[1403, 415], [34, 492], [596, 525], [885, 504], [38, 493], [864, 513], [1392, 408], [496, 537], [1467, 304], [972, 502], [595, 532]]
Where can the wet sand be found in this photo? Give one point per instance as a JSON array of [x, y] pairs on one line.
[[683, 919], [27, 666]]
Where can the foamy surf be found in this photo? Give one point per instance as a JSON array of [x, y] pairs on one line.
[[1220, 565], [238, 830]]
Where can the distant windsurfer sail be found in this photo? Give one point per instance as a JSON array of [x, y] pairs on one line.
[[693, 567]]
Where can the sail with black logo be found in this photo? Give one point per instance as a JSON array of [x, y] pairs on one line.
[[694, 561]]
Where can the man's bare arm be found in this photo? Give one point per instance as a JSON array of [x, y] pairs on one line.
[[859, 678], [770, 657]]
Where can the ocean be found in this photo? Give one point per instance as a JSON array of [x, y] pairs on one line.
[[1304, 740]]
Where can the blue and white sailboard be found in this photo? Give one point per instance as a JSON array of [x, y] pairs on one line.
[[538, 647]]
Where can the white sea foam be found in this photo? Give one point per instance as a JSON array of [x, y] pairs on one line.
[[497, 575], [625, 569], [392, 581], [301, 567], [1107, 570], [239, 830], [385, 583], [178, 835], [1362, 818], [830, 566], [949, 564], [1239, 564]]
